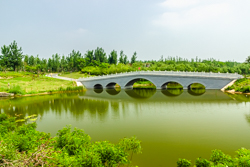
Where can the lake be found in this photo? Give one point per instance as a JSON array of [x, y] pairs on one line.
[[170, 124]]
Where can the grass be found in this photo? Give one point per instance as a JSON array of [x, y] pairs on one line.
[[241, 85], [74, 75], [31, 84]]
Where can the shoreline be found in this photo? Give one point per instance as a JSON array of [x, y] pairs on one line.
[[233, 92], [44, 93]]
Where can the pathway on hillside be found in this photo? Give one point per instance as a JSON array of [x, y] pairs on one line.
[[65, 78]]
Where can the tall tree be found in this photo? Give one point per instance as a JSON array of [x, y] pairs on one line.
[[11, 56], [89, 56], [121, 58], [112, 57], [100, 55], [133, 58], [4, 58], [125, 60], [248, 60]]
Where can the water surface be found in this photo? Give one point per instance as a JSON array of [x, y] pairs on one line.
[[171, 124]]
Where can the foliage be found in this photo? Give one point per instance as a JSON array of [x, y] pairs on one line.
[[241, 85], [183, 163], [25, 146], [218, 158], [11, 56], [16, 89]]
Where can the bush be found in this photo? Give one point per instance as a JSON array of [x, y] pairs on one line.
[[199, 162], [16, 89], [25, 146], [183, 163]]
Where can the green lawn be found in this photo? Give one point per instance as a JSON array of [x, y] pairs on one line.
[[74, 75], [31, 83]]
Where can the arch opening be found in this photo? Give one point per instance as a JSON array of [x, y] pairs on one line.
[[140, 83], [196, 89], [172, 85], [172, 88], [98, 86], [113, 85]]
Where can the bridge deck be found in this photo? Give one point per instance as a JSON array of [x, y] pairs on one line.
[[167, 73]]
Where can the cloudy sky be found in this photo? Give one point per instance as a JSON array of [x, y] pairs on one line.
[[217, 29]]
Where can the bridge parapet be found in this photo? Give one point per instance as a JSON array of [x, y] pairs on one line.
[[167, 73]]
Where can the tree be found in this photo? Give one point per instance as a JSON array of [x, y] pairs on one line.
[[100, 55], [4, 58], [11, 56], [125, 60], [112, 57], [121, 59], [133, 58], [248, 60], [89, 56]]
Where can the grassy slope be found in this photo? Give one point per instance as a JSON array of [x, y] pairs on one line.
[[241, 85], [31, 83], [74, 75]]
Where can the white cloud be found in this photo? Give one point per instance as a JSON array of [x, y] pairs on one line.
[[178, 3], [203, 14]]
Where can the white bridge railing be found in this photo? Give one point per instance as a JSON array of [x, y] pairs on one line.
[[166, 73]]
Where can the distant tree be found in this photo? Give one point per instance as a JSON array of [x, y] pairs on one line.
[[133, 58], [4, 58], [89, 56], [248, 60], [31, 60], [100, 55], [121, 59], [73, 60], [125, 60], [26, 60], [112, 57], [11, 56]]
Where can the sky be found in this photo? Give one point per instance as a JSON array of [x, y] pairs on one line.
[[218, 29]]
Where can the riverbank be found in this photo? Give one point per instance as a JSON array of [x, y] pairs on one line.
[[240, 86], [29, 84]]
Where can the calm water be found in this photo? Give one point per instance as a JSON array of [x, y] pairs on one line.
[[170, 124]]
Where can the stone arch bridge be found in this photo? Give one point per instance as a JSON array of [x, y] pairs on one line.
[[160, 79]]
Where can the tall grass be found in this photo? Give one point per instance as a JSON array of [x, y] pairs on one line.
[[16, 89]]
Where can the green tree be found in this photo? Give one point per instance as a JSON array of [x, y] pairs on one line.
[[11, 56], [112, 57], [100, 55], [248, 60], [133, 58], [4, 58], [121, 59]]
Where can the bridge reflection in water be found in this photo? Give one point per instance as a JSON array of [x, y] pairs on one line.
[[168, 94]]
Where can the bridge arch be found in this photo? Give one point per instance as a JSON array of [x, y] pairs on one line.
[[98, 86], [111, 85], [199, 85], [178, 85], [130, 83]]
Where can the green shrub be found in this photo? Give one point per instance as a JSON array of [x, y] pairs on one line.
[[183, 163], [16, 89], [230, 87], [200, 162], [25, 146], [218, 157]]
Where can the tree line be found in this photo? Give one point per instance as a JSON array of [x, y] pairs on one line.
[[97, 62]]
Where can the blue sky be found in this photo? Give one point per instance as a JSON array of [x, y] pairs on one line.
[[186, 28]]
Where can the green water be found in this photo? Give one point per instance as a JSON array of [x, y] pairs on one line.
[[170, 123]]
